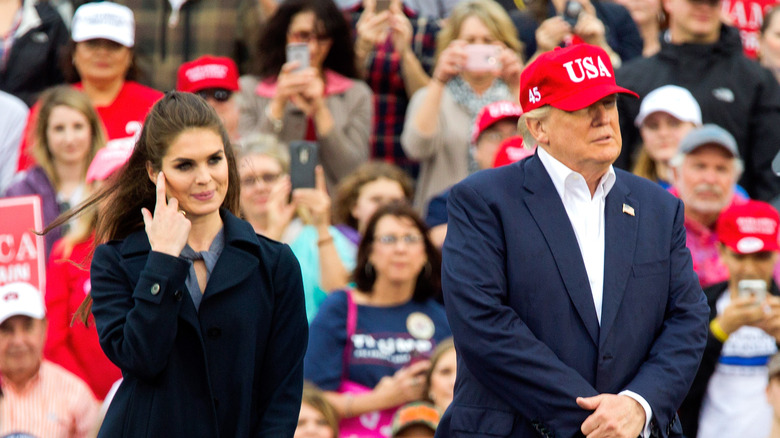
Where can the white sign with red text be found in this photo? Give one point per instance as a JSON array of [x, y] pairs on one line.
[[22, 252]]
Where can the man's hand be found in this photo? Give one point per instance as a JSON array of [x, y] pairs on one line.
[[618, 416], [741, 311]]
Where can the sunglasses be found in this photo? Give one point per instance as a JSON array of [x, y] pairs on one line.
[[218, 94]]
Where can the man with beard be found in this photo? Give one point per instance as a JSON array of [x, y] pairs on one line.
[[705, 169]]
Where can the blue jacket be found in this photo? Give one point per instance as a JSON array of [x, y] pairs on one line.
[[233, 369], [521, 311]]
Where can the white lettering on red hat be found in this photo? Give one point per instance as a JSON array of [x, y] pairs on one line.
[[586, 68], [501, 109], [749, 245], [202, 72], [756, 225]]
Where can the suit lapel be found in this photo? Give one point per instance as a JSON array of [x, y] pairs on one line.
[[620, 230], [547, 209]]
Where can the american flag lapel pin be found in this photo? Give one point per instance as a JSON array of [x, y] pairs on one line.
[[627, 209]]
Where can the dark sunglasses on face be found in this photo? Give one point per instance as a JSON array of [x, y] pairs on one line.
[[218, 94]]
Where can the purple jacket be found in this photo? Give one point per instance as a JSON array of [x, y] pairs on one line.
[[35, 182]]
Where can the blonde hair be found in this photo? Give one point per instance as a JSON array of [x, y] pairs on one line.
[[64, 95], [645, 166], [490, 13], [536, 114], [264, 144]]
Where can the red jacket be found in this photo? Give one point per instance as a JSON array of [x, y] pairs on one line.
[[74, 347]]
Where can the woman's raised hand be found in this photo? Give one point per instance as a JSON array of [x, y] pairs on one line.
[[169, 228], [451, 61]]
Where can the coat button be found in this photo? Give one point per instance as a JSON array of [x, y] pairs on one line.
[[155, 288], [214, 332], [178, 295]]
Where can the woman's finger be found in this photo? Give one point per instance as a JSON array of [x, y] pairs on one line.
[[160, 189]]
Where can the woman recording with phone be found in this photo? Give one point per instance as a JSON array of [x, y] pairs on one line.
[[478, 63], [315, 95], [205, 318]]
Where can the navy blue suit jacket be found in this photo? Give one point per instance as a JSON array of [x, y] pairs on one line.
[[521, 310], [232, 369]]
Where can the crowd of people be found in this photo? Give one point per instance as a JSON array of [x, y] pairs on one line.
[[198, 261]]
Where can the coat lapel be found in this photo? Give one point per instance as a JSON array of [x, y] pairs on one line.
[[550, 215], [621, 222], [235, 264]]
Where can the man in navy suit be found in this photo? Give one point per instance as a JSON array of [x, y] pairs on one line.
[[568, 286]]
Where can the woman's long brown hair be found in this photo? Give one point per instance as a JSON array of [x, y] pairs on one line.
[[130, 189]]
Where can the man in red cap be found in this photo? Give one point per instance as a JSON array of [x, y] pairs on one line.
[[568, 287], [727, 395], [214, 78]]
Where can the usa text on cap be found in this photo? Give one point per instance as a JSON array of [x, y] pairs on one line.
[[569, 79]]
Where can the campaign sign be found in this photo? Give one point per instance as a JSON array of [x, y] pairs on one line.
[[22, 252]]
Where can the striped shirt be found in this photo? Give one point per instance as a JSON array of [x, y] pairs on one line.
[[55, 404]]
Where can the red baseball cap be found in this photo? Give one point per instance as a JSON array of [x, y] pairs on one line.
[[492, 113], [207, 72], [569, 79], [107, 161], [512, 150], [749, 227]]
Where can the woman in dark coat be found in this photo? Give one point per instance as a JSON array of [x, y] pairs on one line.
[[204, 317]]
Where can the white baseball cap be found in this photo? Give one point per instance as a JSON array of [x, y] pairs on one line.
[[673, 100], [104, 20], [21, 299]]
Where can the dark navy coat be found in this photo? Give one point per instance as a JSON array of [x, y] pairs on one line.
[[234, 369], [521, 310]]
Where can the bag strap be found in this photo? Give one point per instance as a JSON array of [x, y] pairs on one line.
[[351, 327]]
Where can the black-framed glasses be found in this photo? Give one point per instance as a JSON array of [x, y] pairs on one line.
[[218, 94]]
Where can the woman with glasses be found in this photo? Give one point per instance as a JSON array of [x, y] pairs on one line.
[[316, 97], [369, 346], [99, 60], [263, 167], [66, 138]]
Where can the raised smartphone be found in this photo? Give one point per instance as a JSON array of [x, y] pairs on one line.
[[482, 57], [571, 12], [304, 158], [752, 288], [298, 52]]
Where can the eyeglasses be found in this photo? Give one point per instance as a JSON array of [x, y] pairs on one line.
[[267, 178], [391, 239], [219, 94], [306, 37]]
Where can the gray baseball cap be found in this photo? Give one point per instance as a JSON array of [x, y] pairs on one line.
[[708, 134]]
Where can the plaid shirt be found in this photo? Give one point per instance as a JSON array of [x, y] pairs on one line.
[[383, 66], [204, 27]]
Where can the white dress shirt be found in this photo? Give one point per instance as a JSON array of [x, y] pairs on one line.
[[586, 214]]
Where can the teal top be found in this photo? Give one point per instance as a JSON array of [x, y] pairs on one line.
[[305, 249]]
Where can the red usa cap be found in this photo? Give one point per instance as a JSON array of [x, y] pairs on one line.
[[569, 79], [207, 72], [492, 113], [749, 227], [512, 150]]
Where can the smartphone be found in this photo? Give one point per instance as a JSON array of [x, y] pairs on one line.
[[298, 52], [382, 5], [303, 159], [752, 288], [482, 57], [571, 12]]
